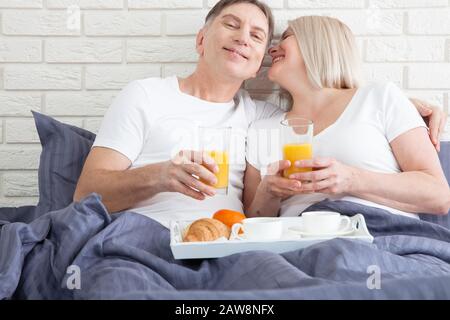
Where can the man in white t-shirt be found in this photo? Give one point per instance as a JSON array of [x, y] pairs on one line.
[[137, 161]]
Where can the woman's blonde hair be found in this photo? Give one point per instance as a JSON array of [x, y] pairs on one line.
[[329, 50]]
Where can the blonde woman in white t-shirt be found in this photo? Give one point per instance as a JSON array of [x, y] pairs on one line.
[[370, 145]]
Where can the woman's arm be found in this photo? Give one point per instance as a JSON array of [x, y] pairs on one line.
[[262, 198], [252, 179], [420, 188]]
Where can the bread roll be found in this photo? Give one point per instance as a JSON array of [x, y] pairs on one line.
[[206, 230]]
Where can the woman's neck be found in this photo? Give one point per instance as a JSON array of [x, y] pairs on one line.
[[311, 103]]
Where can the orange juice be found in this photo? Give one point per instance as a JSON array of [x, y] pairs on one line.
[[295, 152], [221, 159]]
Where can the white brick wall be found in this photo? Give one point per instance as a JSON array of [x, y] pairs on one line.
[[42, 77], [71, 63], [21, 3], [83, 51], [126, 23], [12, 50]]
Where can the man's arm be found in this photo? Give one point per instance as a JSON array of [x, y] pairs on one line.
[[107, 173]]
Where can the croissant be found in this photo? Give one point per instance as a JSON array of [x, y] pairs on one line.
[[206, 230]]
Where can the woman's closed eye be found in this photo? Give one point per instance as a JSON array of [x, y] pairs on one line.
[[287, 34]]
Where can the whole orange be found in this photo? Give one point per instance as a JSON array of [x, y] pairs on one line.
[[229, 217]]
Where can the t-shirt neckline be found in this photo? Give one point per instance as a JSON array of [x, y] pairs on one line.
[[176, 86], [338, 120]]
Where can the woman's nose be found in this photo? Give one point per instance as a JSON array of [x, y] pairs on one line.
[[273, 50]]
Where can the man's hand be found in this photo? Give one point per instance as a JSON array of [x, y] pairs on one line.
[[177, 175], [435, 118]]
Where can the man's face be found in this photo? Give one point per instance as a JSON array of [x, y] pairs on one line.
[[234, 43]]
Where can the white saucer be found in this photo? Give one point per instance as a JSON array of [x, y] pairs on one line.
[[341, 232]]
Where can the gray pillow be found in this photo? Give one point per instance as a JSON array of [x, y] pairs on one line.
[[64, 151], [444, 156], [24, 214]]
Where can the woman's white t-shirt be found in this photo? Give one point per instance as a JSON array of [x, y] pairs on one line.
[[151, 120], [360, 137]]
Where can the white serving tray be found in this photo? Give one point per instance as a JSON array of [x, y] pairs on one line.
[[288, 242]]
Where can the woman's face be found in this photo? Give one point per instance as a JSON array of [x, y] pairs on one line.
[[288, 68]]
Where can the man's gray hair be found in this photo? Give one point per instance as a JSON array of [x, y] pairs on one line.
[[221, 5]]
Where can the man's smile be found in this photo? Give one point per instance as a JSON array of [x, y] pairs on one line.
[[236, 51]]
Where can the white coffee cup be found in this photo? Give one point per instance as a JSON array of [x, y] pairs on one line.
[[319, 222], [258, 229]]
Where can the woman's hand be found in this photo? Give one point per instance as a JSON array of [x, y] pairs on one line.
[[275, 185], [328, 176]]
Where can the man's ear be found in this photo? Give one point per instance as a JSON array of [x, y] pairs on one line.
[[199, 41]]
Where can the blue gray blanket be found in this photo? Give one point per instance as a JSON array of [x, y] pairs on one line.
[[82, 252]]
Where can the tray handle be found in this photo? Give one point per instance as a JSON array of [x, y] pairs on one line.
[[177, 231]]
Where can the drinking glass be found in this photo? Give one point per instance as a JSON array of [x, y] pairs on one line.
[[215, 141], [296, 141]]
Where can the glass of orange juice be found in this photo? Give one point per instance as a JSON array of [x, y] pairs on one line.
[[296, 140], [215, 141]]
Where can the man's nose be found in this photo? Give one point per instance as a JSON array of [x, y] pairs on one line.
[[242, 37]]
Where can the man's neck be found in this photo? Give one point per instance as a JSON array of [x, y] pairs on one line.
[[209, 88]]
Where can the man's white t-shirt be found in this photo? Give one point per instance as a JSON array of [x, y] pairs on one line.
[[151, 120], [360, 137]]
